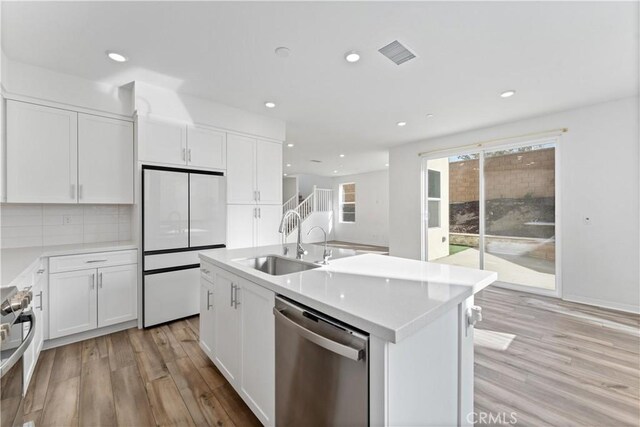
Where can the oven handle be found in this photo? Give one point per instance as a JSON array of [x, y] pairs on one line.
[[8, 364]]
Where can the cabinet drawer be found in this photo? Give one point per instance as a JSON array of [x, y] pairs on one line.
[[207, 271], [92, 260]]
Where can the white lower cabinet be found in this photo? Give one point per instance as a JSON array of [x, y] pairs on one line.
[[117, 294], [38, 289], [90, 298], [226, 326], [207, 331], [73, 301], [257, 340], [242, 331]]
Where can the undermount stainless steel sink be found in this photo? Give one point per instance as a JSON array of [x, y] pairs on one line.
[[277, 265]]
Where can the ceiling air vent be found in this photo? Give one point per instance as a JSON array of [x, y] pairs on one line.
[[315, 161], [397, 52]]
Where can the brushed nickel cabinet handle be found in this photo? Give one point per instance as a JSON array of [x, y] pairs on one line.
[[208, 300]]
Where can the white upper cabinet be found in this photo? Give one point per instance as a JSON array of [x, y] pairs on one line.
[[105, 159], [269, 172], [241, 169], [254, 171], [42, 144], [61, 156], [206, 148], [174, 143], [162, 142]]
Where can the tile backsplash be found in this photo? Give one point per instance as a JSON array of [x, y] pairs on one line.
[[45, 225]]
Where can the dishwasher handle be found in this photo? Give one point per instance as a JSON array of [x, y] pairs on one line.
[[333, 346]]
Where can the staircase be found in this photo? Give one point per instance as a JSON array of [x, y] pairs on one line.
[[320, 200]]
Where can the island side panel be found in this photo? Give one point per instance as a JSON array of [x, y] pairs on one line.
[[423, 375], [466, 357], [378, 380]]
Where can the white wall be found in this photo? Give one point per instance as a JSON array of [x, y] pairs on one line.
[[372, 209], [322, 219], [306, 183], [47, 85], [160, 102], [289, 187], [599, 178]]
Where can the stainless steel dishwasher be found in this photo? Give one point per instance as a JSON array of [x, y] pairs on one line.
[[322, 369]]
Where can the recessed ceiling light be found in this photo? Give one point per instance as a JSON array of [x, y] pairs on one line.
[[401, 124], [352, 56], [270, 104], [386, 164], [117, 57], [290, 145], [283, 51], [429, 115], [335, 171], [341, 155], [508, 93], [288, 165], [284, 174]]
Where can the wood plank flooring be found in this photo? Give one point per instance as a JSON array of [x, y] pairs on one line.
[[556, 363], [548, 361], [158, 376]]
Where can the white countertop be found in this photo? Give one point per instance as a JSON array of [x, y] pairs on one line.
[[388, 297], [15, 261]]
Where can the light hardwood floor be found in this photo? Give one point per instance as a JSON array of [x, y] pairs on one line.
[[556, 363], [157, 376], [550, 362]]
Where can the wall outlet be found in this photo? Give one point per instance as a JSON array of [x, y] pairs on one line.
[[66, 219]]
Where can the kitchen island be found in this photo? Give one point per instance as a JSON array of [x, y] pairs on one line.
[[416, 316]]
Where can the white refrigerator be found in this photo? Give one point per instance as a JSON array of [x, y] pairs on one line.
[[183, 212]]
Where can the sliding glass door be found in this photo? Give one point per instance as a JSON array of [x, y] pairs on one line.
[[496, 210]]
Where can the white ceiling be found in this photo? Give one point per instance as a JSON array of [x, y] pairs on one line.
[[556, 55]]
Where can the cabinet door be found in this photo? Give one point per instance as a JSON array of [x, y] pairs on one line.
[[162, 142], [33, 352], [117, 294], [206, 148], [268, 222], [257, 335], [241, 224], [42, 154], [105, 160], [166, 210], [207, 210], [269, 172], [207, 331], [241, 169], [226, 327], [72, 302]]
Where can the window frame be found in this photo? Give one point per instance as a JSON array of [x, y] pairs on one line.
[[341, 203], [434, 199]]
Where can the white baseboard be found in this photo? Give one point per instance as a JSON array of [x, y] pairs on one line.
[[57, 342], [629, 308]]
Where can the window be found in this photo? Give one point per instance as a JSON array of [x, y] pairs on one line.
[[433, 196], [348, 202]]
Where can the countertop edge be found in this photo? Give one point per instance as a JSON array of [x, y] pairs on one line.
[[380, 331]]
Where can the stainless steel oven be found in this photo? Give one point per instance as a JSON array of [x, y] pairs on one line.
[[322, 369], [17, 327]]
